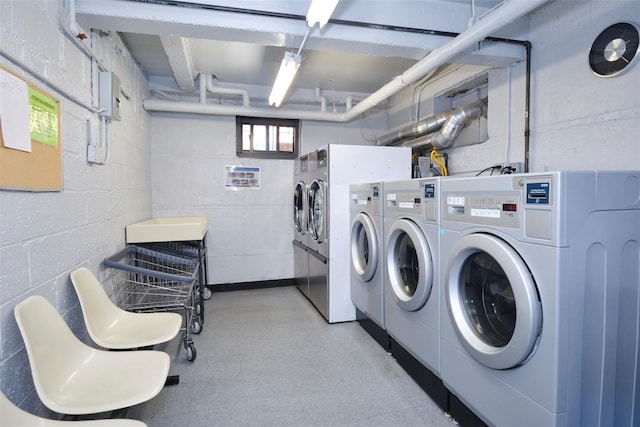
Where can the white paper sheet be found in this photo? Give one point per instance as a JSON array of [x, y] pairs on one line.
[[14, 112]]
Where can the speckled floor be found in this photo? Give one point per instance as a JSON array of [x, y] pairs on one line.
[[267, 358]]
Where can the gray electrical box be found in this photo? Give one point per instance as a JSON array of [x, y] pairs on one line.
[[109, 85]]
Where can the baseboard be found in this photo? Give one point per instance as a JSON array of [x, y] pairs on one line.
[[427, 380], [463, 415], [262, 284], [374, 330]]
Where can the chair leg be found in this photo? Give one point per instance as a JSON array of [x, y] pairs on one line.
[[172, 380]]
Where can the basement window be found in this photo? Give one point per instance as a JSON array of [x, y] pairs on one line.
[[267, 138]]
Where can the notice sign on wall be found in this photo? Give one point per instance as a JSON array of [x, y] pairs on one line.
[[43, 118], [242, 177]]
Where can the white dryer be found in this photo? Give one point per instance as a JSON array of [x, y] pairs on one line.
[[412, 295], [300, 224], [367, 241], [332, 169], [541, 292]]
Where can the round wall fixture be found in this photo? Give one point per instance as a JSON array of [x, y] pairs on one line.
[[614, 50]]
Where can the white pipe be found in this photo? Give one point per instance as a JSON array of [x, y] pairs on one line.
[[203, 88], [349, 102], [73, 25], [226, 91], [234, 110], [322, 100], [509, 11]]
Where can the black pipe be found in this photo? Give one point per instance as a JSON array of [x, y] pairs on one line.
[[527, 106]]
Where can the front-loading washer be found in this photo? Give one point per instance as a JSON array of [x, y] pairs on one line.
[[411, 300], [367, 238], [539, 319]]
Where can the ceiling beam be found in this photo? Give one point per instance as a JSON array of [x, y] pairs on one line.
[[287, 32], [179, 55]]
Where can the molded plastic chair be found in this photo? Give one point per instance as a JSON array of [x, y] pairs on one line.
[[72, 378], [12, 416], [111, 327]]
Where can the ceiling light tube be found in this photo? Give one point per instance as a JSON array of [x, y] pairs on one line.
[[288, 68], [320, 11]]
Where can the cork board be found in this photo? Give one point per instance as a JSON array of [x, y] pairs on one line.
[[41, 168]]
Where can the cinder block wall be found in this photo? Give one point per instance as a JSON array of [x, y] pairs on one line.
[[44, 236]]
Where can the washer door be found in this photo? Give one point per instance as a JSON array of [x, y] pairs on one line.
[[493, 301], [364, 247], [409, 264], [300, 208], [317, 205]]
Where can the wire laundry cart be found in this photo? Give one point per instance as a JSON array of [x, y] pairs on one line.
[[148, 280], [194, 250]]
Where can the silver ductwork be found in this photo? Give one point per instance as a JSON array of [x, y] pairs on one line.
[[442, 128], [415, 130]]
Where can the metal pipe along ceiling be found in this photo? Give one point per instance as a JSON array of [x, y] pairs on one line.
[[494, 20]]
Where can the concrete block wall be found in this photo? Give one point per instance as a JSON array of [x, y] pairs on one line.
[[44, 236], [250, 231]]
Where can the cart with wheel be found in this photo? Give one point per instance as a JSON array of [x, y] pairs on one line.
[[145, 280]]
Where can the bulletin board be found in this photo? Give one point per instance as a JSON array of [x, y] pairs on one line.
[[30, 150]]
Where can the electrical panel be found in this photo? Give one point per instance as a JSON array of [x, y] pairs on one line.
[[109, 94]]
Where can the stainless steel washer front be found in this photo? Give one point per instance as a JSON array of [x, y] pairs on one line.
[[493, 301], [409, 264]]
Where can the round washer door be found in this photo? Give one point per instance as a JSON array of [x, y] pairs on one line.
[[317, 205], [493, 301], [364, 247], [409, 264], [299, 207]]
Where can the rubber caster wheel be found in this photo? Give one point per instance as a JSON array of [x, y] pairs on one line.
[[206, 293], [196, 326], [190, 352]]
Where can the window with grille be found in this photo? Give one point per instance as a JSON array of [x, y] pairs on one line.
[[267, 138]]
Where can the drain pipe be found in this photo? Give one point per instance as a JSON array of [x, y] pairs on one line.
[[455, 122], [509, 11]]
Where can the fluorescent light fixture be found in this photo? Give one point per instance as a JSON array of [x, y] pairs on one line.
[[320, 11], [288, 69]]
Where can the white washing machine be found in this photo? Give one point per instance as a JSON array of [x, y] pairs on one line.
[[412, 294], [541, 293], [332, 169], [300, 224], [367, 241]]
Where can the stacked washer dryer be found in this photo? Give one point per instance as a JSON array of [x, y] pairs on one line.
[[412, 293], [332, 169], [541, 286], [300, 224]]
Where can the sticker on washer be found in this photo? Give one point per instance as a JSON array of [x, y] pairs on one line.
[[405, 205], [486, 213], [362, 201]]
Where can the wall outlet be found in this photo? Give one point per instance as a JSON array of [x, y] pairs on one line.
[[509, 168]]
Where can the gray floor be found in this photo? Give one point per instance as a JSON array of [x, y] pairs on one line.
[[267, 358]]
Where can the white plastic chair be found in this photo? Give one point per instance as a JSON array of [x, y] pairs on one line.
[[12, 416], [111, 327], [72, 378]]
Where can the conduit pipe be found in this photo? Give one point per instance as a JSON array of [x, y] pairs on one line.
[[452, 127], [509, 11], [225, 91]]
